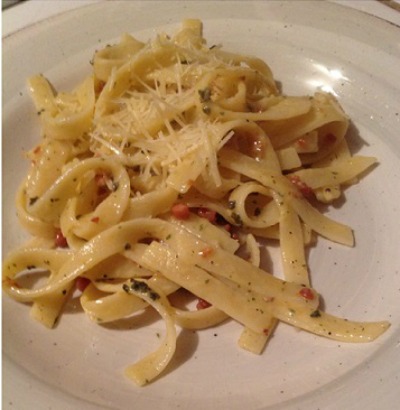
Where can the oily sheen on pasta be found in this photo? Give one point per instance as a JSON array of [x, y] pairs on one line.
[[159, 174]]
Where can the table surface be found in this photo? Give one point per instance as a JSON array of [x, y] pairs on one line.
[[29, 12]]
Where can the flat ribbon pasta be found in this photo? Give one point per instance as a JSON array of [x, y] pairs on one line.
[[158, 177]]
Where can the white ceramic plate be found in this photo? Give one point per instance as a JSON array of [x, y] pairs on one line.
[[308, 45]]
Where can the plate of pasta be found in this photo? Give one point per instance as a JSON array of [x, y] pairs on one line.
[[199, 208]]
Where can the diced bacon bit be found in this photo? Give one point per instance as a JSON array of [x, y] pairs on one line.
[[180, 211], [101, 182], [95, 219], [229, 228], [82, 283], [100, 179], [207, 251], [60, 241], [302, 142], [330, 138], [207, 214], [266, 332], [254, 106], [307, 293], [305, 190], [202, 304], [235, 236], [268, 298]]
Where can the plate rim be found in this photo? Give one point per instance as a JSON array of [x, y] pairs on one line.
[[27, 31]]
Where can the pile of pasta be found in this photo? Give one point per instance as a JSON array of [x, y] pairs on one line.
[[165, 172]]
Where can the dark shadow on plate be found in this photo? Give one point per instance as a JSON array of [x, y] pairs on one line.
[[73, 306], [186, 345], [354, 139], [279, 86]]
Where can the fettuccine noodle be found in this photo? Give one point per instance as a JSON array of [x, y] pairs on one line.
[[152, 177]]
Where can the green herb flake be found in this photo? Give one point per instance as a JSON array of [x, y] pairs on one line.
[[33, 200], [237, 219], [315, 313], [231, 204], [205, 94], [140, 287], [206, 109]]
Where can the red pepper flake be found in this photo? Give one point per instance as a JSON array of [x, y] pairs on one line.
[[266, 332], [81, 283], [208, 214], [95, 219], [180, 211], [202, 304], [305, 190], [207, 251], [307, 293], [37, 149], [99, 86], [60, 241]]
